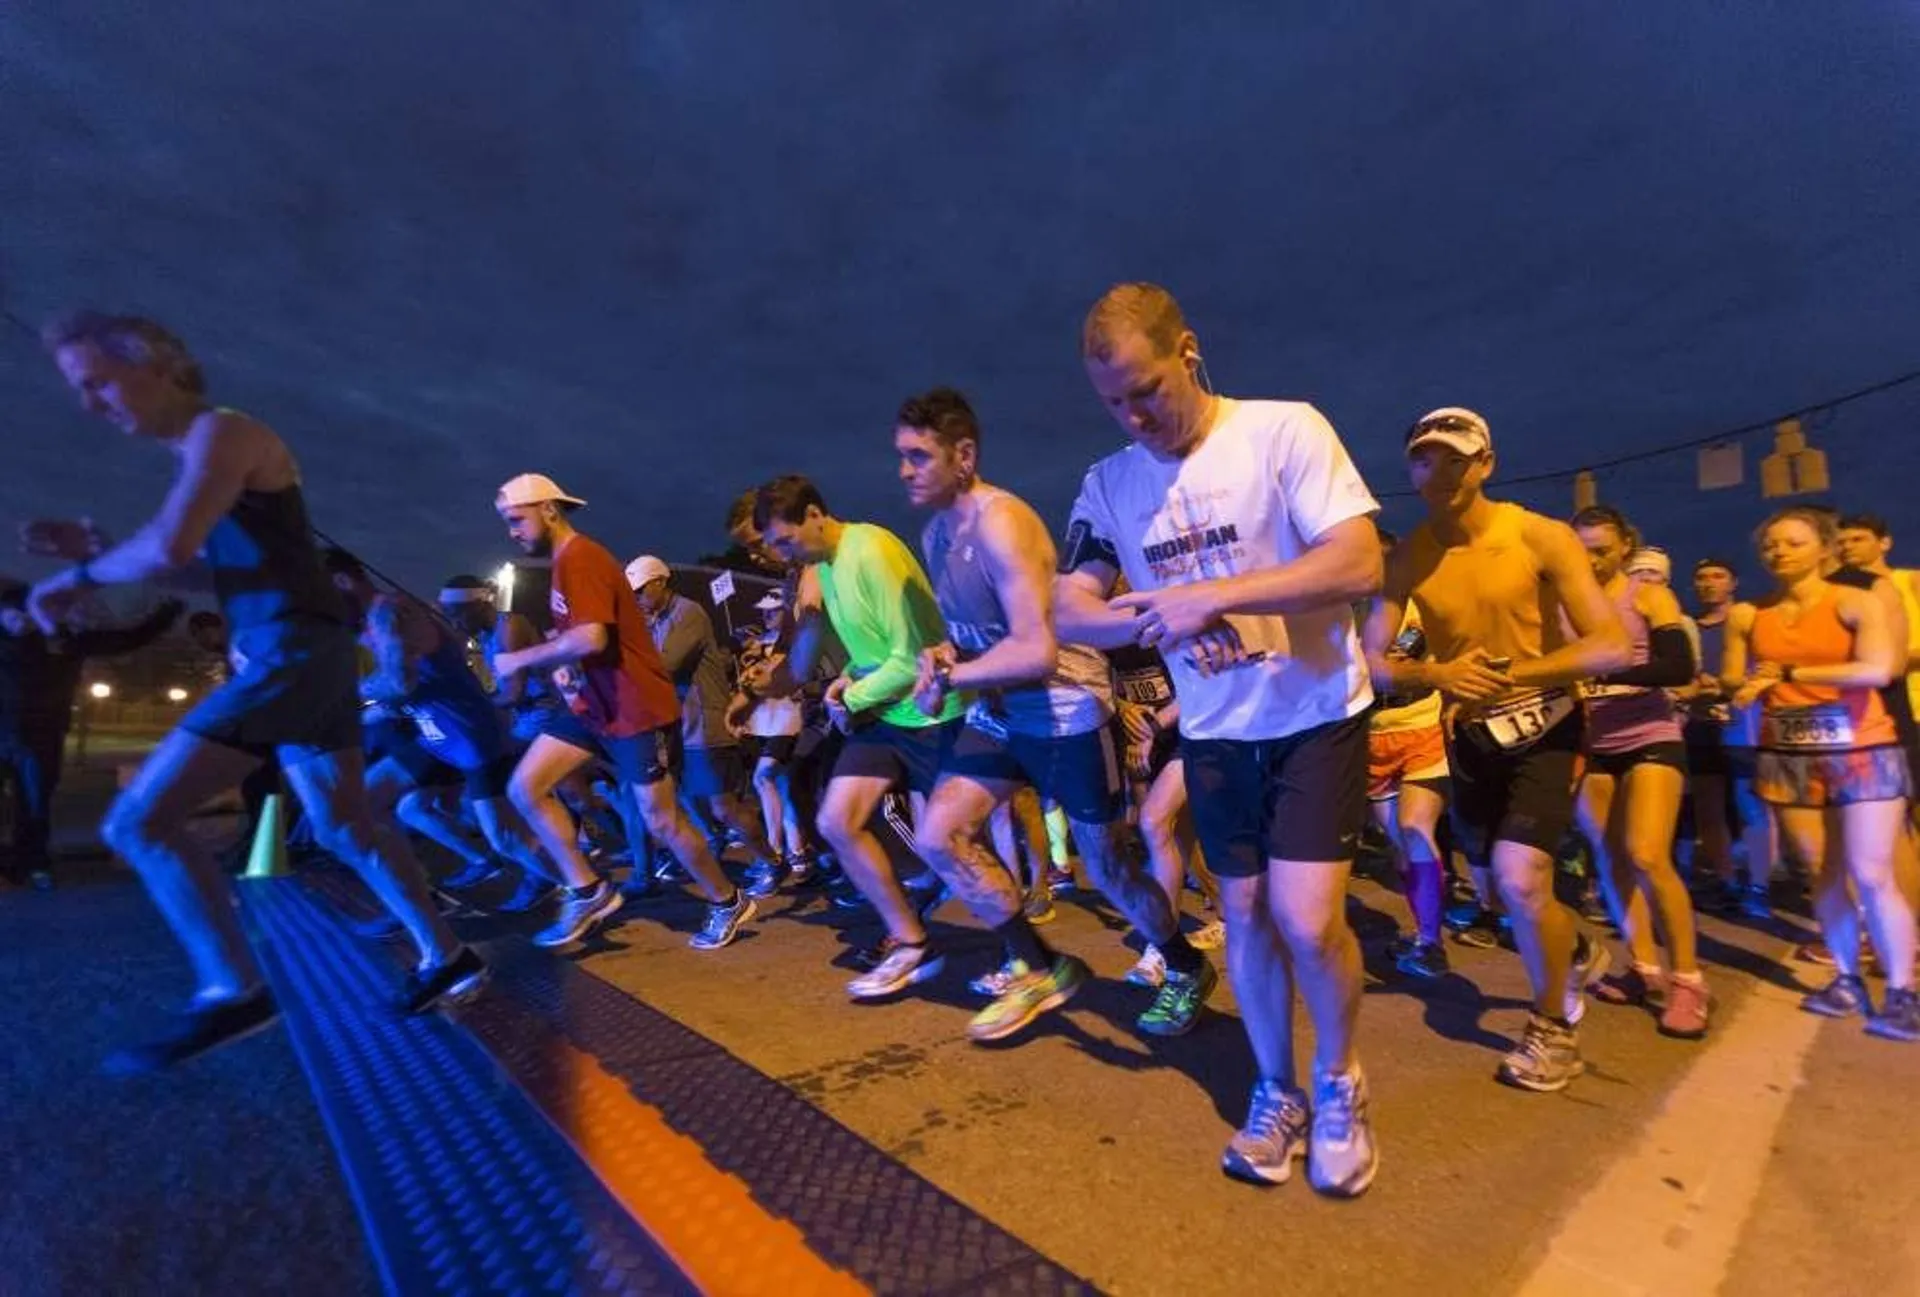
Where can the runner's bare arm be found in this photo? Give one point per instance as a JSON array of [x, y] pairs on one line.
[[220, 452], [1020, 558], [1081, 612], [1877, 653], [1734, 650], [1394, 674], [1896, 608], [1602, 644], [566, 648]]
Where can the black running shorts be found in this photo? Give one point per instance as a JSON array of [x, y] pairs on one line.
[[1302, 797], [908, 756], [1523, 796], [1079, 771], [294, 692]]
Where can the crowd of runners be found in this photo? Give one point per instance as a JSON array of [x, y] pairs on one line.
[[1220, 681]]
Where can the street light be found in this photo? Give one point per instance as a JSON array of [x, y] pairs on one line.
[[503, 582], [100, 689], [176, 695]]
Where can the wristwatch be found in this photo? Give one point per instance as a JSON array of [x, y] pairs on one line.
[[943, 676]]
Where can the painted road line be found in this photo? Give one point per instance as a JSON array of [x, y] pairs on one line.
[[1667, 1215]]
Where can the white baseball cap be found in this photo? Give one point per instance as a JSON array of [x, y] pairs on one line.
[[774, 598], [1651, 561], [1452, 426], [532, 488], [644, 569]]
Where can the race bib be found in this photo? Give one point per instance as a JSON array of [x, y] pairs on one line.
[[429, 731], [1827, 725], [1613, 691], [1518, 723]]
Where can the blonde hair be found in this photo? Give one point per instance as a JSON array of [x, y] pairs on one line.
[[1820, 520], [1137, 307], [133, 339]]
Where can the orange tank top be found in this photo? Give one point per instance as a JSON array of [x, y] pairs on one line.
[[1795, 715], [1489, 593]]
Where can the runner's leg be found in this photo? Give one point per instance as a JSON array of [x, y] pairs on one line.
[[845, 810], [147, 826], [540, 770], [1650, 796], [331, 789]]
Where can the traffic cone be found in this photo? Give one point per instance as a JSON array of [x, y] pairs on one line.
[[268, 859]]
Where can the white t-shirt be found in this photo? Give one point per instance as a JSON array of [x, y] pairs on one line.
[[1270, 479]]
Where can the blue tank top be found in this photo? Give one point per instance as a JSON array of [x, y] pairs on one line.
[[266, 567], [456, 720]]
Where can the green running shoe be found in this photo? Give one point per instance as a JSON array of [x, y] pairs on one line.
[[1177, 1007]]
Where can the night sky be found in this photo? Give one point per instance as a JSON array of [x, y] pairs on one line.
[[663, 250]]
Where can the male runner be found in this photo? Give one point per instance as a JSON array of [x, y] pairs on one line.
[[1043, 717], [711, 772], [1407, 779], [1720, 740], [628, 712], [876, 600], [236, 501], [1491, 581], [1246, 521], [445, 732]]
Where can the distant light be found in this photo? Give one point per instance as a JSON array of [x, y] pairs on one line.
[[100, 689], [176, 695], [503, 580]]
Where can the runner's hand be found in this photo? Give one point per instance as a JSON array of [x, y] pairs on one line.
[[1137, 723], [1764, 676], [929, 695], [507, 665], [834, 700], [1218, 650], [75, 540], [1170, 616], [1469, 679], [49, 602]]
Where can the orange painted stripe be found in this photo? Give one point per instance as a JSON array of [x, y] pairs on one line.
[[704, 1218]]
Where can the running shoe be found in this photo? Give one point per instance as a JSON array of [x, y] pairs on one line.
[[1899, 1016], [580, 913], [1426, 959], [1038, 908], [640, 885], [1631, 986], [993, 985], [1814, 952], [527, 893], [1687, 1007], [843, 895], [1209, 936], [1027, 997], [1481, 931], [1177, 1007], [665, 867], [1843, 997], [449, 983], [1150, 970], [868, 958], [723, 923], [763, 880], [204, 1026], [1263, 1150], [1060, 879], [800, 871], [903, 967], [1590, 962], [1756, 901], [1341, 1155], [1547, 1060], [40, 880], [472, 874]]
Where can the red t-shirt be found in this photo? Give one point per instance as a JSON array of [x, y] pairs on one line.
[[624, 688]]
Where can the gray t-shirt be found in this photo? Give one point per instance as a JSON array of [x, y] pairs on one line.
[[698, 665]]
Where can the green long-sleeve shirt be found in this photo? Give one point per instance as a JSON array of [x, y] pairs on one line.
[[881, 606]]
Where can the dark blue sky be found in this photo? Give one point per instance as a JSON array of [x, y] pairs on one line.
[[661, 251]]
